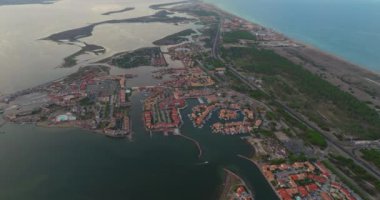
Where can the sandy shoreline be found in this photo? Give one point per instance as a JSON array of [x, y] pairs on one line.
[[362, 83], [294, 40]]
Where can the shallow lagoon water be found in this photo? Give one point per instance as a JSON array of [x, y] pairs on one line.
[[27, 61]]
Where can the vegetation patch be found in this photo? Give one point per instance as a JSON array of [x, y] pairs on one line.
[[151, 56], [352, 115], [372, 155], [235, 36], [212, 63], [356, 172], [316, 138], [344, 179]]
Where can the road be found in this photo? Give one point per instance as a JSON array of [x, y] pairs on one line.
[[330, 140], [215, 46], [201, 65]]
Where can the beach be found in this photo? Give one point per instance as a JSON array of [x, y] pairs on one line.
[[346, 29], [359, 81]]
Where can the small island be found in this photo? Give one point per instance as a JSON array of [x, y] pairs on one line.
[[150, 56], [86, 31], [118, 11], [71, 60]]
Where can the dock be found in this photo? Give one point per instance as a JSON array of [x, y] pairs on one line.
[[196, 143]]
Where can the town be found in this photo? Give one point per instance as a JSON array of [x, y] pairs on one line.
[[90, 99], [306, 180]]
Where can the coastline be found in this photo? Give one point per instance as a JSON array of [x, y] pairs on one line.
[[350, 77], [229, 179], [294, 39], [261, 171]]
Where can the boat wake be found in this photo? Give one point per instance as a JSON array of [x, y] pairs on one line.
[[202, 163]]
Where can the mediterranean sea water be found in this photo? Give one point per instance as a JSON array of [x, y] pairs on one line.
[[349, 29]]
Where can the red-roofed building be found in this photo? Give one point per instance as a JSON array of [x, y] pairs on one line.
[[336, 185], [303, 192], [294, 177], [284, 194], [319, 179], [347, 193], [83, 85], [325, 196], [323, 169], [312, 187], [122, 96]]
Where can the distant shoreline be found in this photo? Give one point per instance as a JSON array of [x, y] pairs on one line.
[[23, 2]]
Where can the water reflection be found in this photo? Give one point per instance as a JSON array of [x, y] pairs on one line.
[[27, 61]]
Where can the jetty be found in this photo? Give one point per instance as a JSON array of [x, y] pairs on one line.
[[200, 152]]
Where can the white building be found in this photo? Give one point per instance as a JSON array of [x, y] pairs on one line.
[[65, 117]]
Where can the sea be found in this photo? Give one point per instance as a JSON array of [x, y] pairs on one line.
[[349, 29]]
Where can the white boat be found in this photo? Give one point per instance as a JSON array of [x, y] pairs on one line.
[[203, 163]]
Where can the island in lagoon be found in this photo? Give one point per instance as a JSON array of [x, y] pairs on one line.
[[118, 11]]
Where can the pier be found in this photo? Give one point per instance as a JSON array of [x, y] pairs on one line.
[[230, 182], [2, 121], [196, 143]]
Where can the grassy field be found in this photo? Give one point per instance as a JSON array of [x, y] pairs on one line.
[[235, 36], [357, 173], [372, 155], [316, 139], [212, 63]]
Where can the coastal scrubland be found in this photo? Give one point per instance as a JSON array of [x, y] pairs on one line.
[[371, 155], [369, 183], [323, 103], [235, 36]]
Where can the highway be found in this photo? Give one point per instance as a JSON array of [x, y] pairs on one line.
[[215, 46], [330, 140]]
